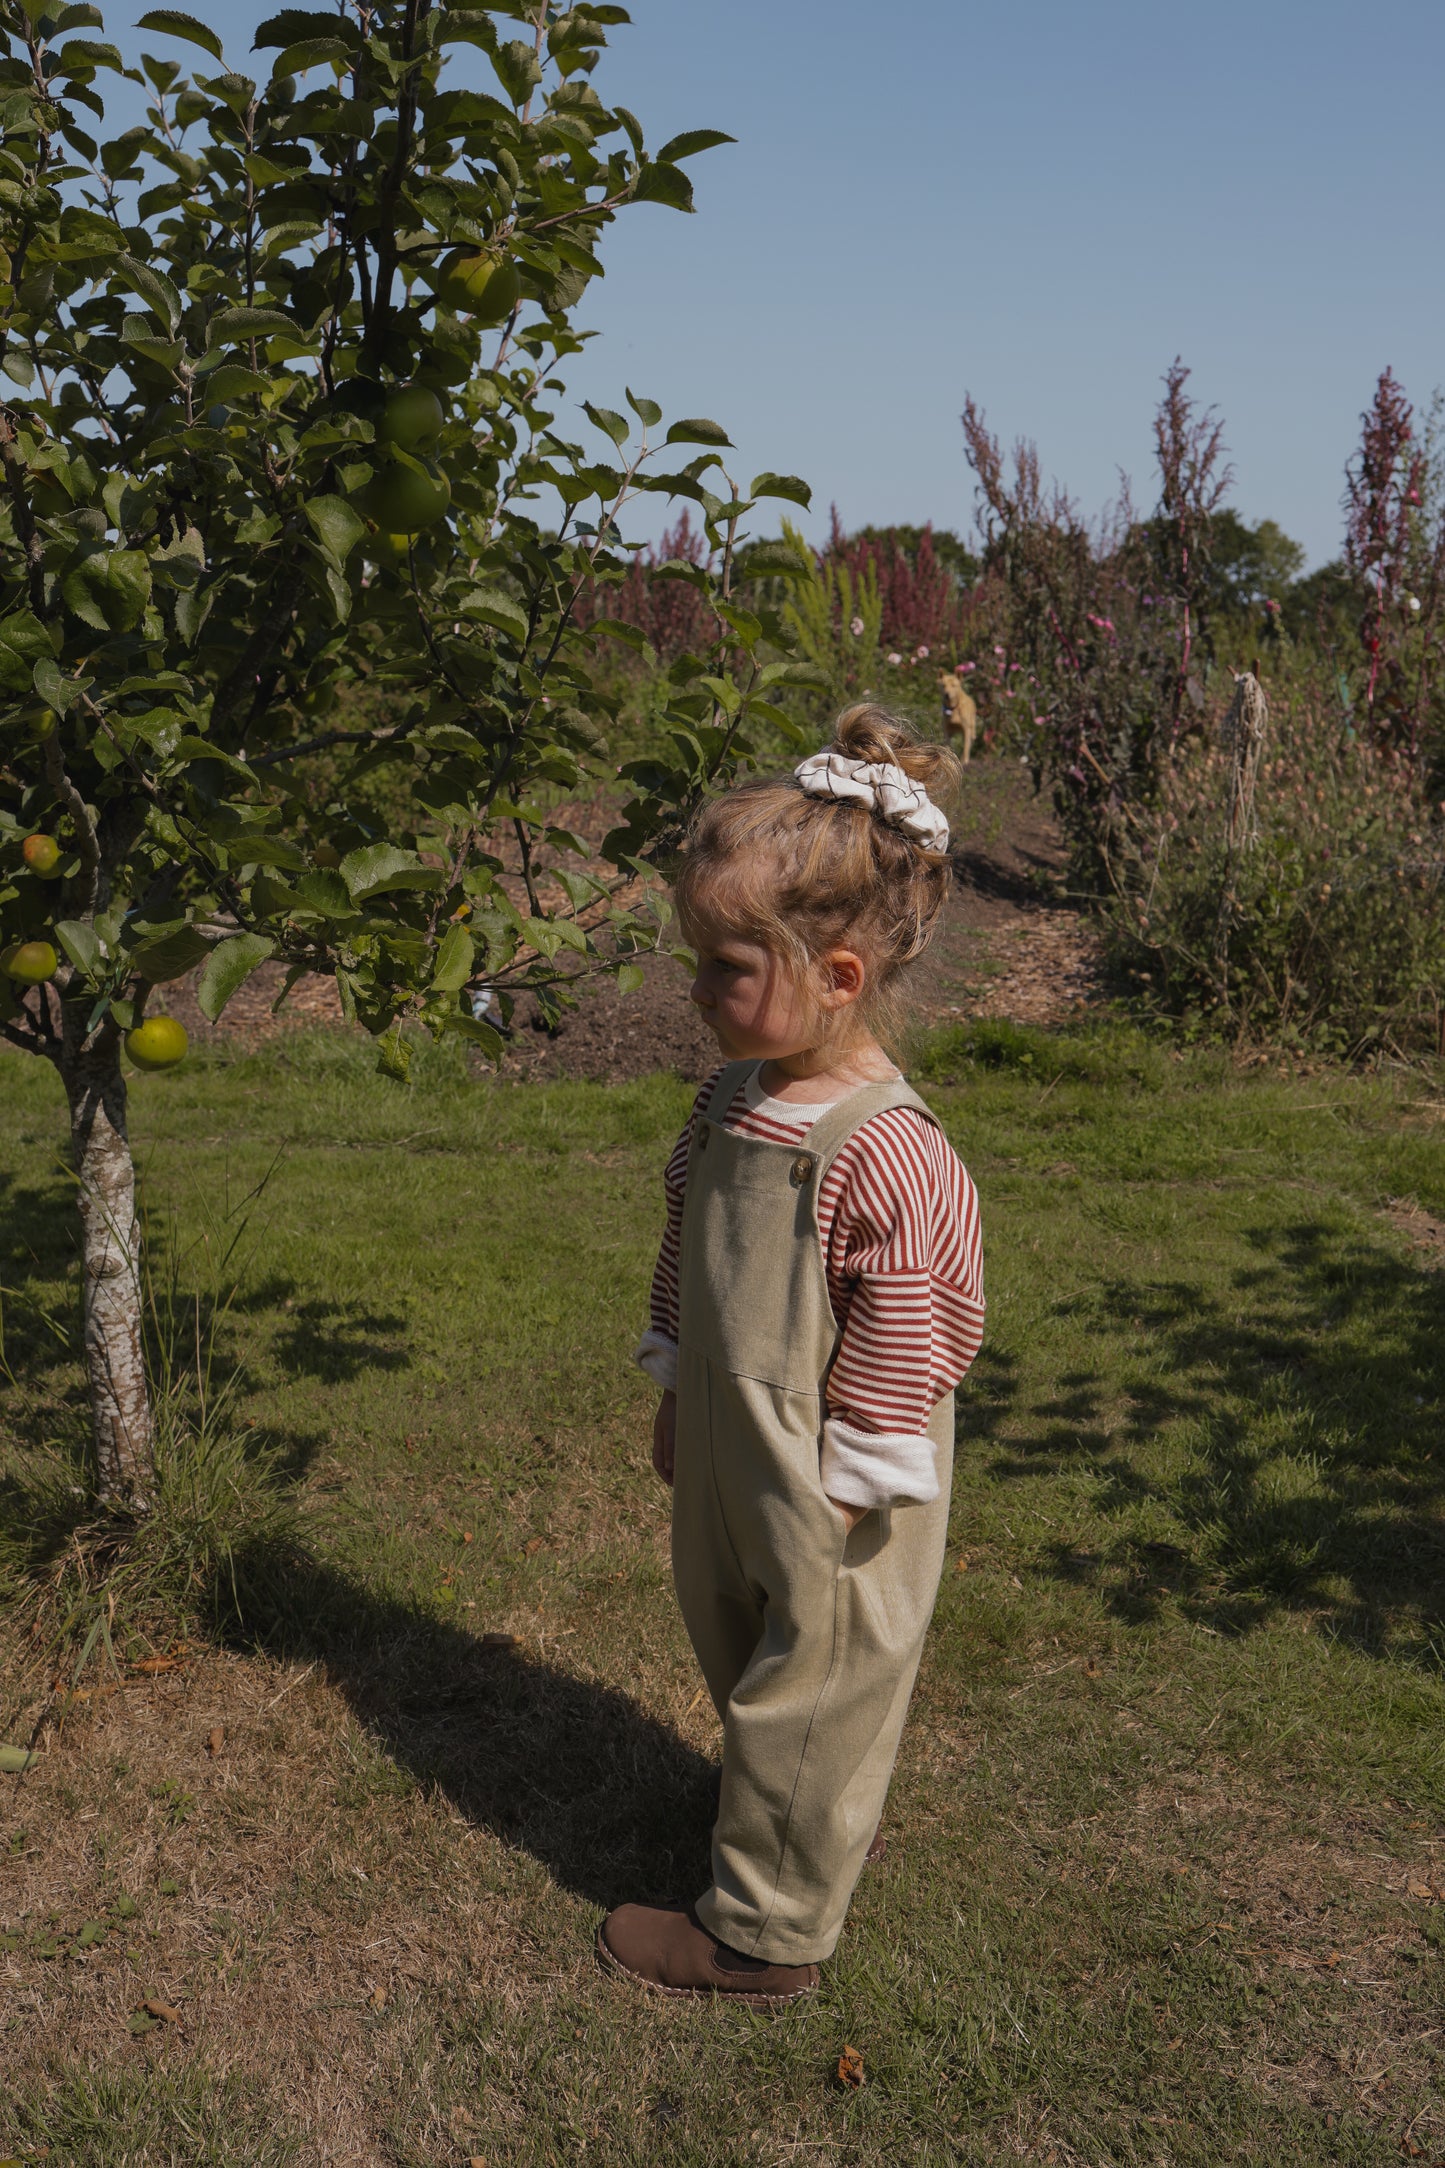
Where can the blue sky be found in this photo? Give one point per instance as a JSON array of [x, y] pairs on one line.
[[1036, 201]]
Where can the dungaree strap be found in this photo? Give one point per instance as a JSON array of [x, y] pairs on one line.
[[832, 1130], [721, 1096]]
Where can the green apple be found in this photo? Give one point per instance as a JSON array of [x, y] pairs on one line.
[[402, 498], [391, 551], [42, 855], [471, 282], [159, 1043], [412, 419], [31, 962]]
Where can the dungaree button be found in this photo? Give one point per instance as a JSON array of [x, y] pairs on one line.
[[801, 1168]]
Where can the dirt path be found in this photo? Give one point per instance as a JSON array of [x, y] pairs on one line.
[[1007, 948]]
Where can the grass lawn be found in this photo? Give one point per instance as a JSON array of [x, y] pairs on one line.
[[1166, 1870]]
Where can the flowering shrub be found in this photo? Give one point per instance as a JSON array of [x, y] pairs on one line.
[[927, 614], [1395, 552], [1329, 931], [1105, 627]]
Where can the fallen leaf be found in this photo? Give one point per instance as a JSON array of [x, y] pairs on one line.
[[1174, 2044], [477, 2160], [499, 1641], [216, 1739], [15, 1759], [146, 1667], [962, 1566], [535, 1545], [1014, 1581], [850, 2068], [1092, 1668], [377, 1998], [466, 1535], [165, 2013]]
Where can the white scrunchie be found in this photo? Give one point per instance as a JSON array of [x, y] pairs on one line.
[[882, 788]]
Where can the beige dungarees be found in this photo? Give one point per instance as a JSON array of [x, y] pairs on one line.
[[808, 1637]]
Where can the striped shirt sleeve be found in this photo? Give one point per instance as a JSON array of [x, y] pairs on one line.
[[900, 1224]]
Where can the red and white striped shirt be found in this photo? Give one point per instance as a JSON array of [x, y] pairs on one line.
[[899, 1229]]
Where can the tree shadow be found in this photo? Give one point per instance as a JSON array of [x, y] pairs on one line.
[[1311, 1388], [39, 1337], [608, 1799]]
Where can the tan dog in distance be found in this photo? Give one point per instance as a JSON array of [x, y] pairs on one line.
[[960, 714]]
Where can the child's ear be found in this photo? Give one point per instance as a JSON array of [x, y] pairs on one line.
[[844, 976]]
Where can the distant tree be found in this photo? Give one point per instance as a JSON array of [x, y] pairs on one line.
[[1251, 565]]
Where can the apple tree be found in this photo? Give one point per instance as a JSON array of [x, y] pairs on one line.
[[285, 476]]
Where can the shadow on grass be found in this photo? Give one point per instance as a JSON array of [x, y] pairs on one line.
[[1310, 1472], [609, 1800]]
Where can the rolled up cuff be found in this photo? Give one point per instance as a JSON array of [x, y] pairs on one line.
[[877, 1467], [657, 1355]]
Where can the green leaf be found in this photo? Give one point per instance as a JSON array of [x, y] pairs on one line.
[[336, 526], [15, 1760], [491, 606], [630, 977], [691, 141], [325, 893], [23, 643], [519, 68], [310, 53], [176, 25], [80, 944], [228, 327], [776, 560], [480, 1033], [790, 486], [294, 24], [698, 432], [233, 380], [603, 418], [172, 955], [668, 185], [393, 1056], [109, 590], [648, 412], [455, 955], [229, 964], [377, 867], [154, 288]]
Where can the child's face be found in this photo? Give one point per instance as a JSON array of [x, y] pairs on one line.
[[752, 1002]]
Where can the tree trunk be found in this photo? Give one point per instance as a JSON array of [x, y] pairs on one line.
[[110, 1266]]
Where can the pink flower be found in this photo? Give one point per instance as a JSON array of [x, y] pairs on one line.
[[856, 628], [895, 660], [921, 655], [1000, 651], [965, 667]]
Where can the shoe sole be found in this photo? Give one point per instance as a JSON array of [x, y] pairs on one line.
[[611, 1963]]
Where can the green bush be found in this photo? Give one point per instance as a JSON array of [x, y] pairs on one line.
[[1327, 930]]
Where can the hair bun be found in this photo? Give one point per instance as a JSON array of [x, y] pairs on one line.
[[868, 732]]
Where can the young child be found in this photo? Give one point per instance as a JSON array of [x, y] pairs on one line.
[[817, 1298]]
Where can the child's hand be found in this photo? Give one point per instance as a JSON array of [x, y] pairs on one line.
[[851, 1514], [664, 1436]]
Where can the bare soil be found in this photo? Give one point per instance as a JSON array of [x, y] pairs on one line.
[[1009, 946]]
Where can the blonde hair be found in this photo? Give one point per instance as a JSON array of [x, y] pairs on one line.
[[802, 876]]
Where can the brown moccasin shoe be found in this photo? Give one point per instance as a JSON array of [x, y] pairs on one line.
[[667, 1949]]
